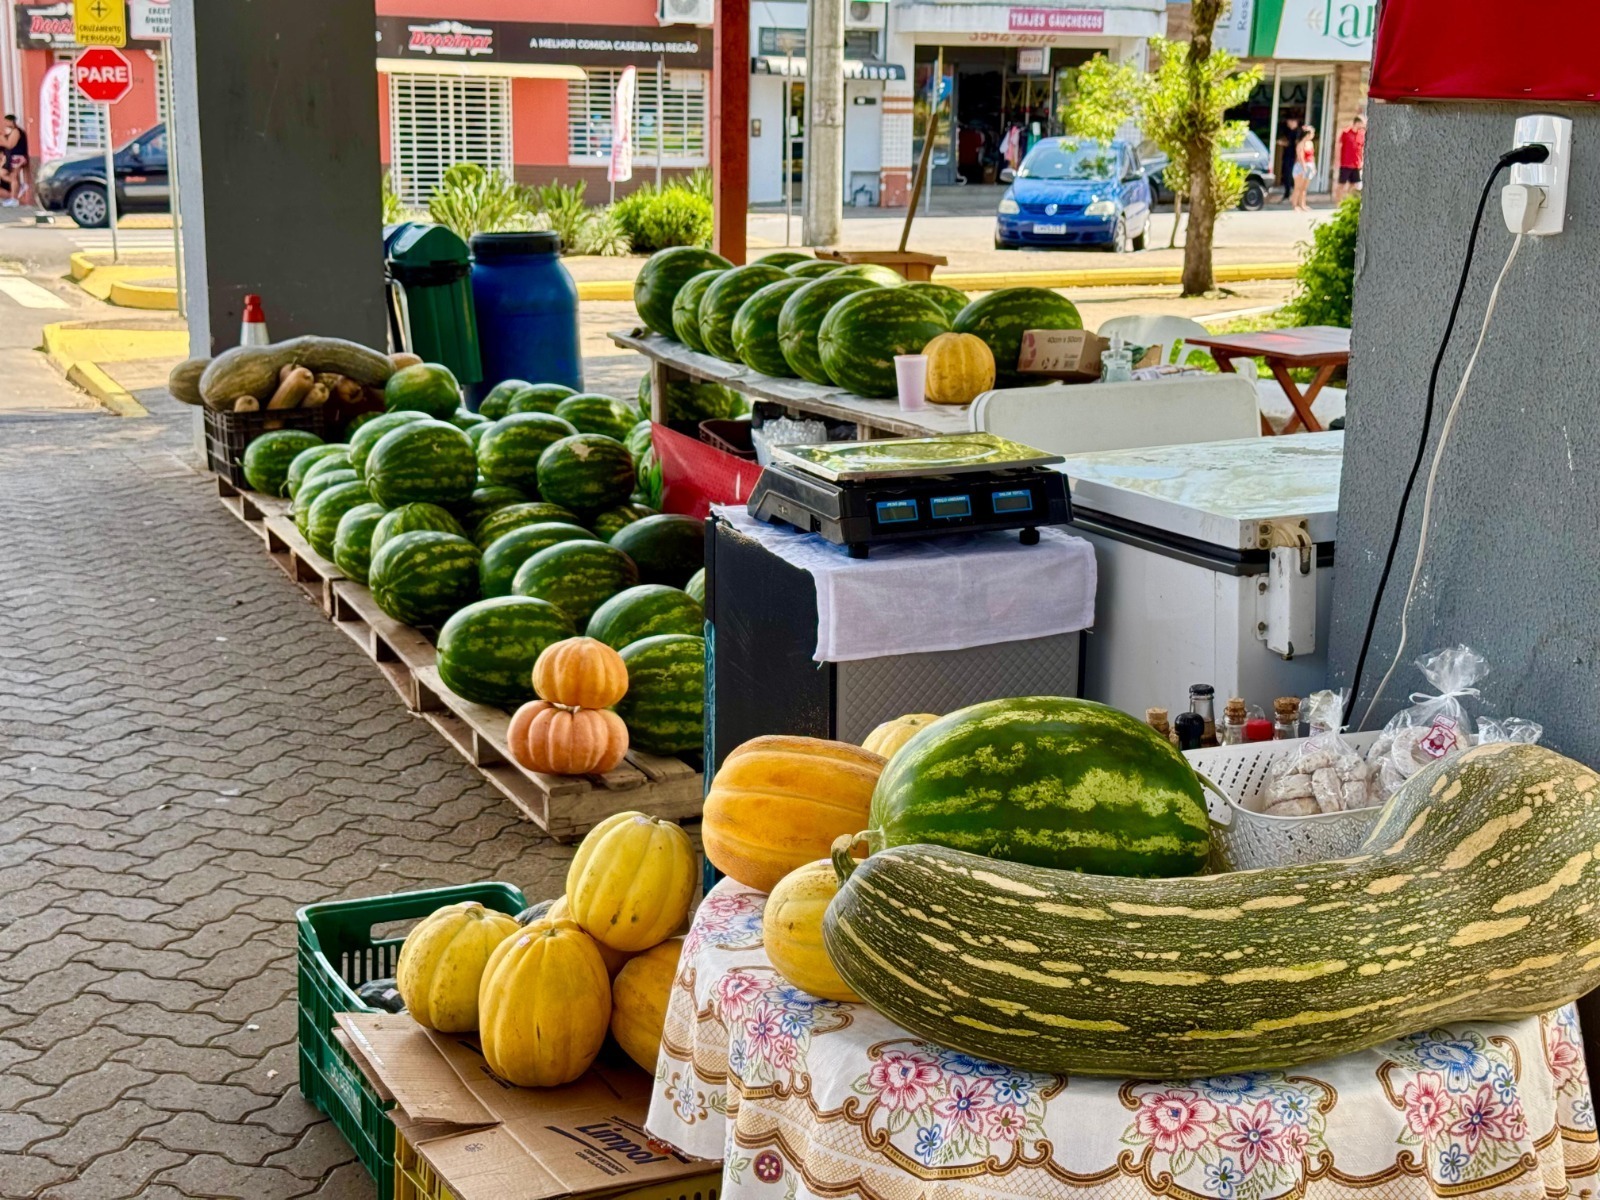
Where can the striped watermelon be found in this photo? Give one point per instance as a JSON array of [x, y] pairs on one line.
[[667, 548], [421, 578], [423, 460], [475, 435], [514, 516], [485, 499], [465, 419], [330, 462], [429, 388], [576, 576], [609, 521], [755, 328], [696, 587], [538, 397], [352, 541], [267, 459], [508, 453], [365, 438], [952, 300], [1001, 318], [721, 302], [493, 406], [785, 258], [649, 480], [313, 486], [664, 709], [587, 472], [504, 556], [813, 268], [590, 412], [356, 422], [686, 309], [691, 401], [875, 272], [662, 277], [639, 438], [414, 518], [861, 335], [310, 457], [802, 316], [322, 518], [487, 649], [1050, 781], [645, 611]]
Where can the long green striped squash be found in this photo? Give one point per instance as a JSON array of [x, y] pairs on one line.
[[1476, 897]]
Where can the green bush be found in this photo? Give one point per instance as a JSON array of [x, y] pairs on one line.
[[563, 209], [1327, 275], [393, 210], [472, 200], [676, 215]]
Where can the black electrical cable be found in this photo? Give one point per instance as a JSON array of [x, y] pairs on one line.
[[1522, 154]]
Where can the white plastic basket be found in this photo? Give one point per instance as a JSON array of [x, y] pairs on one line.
[[1244, 838]]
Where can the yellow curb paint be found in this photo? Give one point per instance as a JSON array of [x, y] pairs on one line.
[[110, 394], [126, 294], [105, 282], [81, 266]]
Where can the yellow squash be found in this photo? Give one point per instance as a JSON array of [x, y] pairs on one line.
[[960, 368], [544, 1005], [639, 998], [631, 881], [442, 962], [792, 930], [891, 735]]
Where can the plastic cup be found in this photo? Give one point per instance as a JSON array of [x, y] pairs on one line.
[[911, 374]]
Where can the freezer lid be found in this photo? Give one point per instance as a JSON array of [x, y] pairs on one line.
[[1214, 492]]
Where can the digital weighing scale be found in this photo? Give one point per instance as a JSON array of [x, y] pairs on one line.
[[857, 494]]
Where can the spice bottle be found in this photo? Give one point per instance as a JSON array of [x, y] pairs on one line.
[[1233, 719], [1190, 728], [1156, 718], [1286, 710], [1201, 703]]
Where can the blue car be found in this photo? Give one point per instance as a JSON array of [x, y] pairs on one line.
[[1074, 192]]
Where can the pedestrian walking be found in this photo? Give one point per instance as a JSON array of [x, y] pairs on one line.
[[1352, 155], [13, 162], [1305, 167], [1288, 139]]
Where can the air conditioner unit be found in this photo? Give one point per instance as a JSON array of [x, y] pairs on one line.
[[864, 14], [686, 12]]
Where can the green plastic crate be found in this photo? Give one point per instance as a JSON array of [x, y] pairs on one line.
[[337, 954]]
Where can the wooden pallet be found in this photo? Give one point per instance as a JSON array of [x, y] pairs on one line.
[[252, 508], [398, 650], [564, 806], [314, 574]]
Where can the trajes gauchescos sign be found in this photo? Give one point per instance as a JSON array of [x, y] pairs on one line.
[[1057, 20]]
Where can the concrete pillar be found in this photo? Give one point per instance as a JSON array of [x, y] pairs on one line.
[[277, 130], [825, 129]]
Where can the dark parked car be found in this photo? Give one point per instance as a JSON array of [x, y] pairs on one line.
[[77, 186], [1251, 154], [1074, 192]]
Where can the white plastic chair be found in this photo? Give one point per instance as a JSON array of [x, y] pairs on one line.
[[1169, 333]]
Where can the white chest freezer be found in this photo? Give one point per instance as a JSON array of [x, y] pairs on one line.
[[1215, 566]]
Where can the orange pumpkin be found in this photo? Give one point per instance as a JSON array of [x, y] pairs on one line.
[[566, 741], [580, 672]]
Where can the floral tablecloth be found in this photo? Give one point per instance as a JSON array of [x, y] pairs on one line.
[[803, 1097]]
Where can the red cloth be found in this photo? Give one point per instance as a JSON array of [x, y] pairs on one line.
[[1542, 50], [1352, 147], [694, 476]]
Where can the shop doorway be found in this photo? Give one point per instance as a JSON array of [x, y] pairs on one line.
[[1306, 96]]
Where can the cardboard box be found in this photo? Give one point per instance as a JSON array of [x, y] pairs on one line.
[[489, 1140], [1071, 355]]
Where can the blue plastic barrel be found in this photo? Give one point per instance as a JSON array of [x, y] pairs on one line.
[[527, 306]]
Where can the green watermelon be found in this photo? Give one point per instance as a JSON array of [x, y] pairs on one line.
[[268, 458], [813, 268], [667, 548], [421, 578], [509, 452], [861, 335], [649, 481], [487, 649], [356, 422], [313, 486], [638, 439], [586, 472], [538, 397], [422, 460], [464, 418], [663, 276], [505, 555], [606, 523], [429, 388], [493, 405], [308, 458], [514, 516], [664, 709], [755, 328], [329, 462], [721, 302], [352, 541], [875, 272], [322, 518], [1001, 318], [414, 518], [590, 412], [1054, 782], [952, 300], [576, 576], [801, 317], [475, 433], [485, 499], [367, 436], [696, 586], [686, 309], [645, 611], [785, 258], [694, 400]]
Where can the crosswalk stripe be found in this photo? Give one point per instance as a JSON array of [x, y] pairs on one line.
[[29, 294]]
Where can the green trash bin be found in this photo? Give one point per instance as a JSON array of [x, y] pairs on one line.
[[429, 271]]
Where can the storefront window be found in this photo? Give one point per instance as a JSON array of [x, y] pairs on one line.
[[670, 117], [436, 121]]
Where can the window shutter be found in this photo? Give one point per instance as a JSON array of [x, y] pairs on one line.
[[680, 128], [436, 121]]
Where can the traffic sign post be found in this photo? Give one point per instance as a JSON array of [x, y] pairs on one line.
[[99, 22], [104, 75]]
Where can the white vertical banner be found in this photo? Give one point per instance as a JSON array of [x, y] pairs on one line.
[[621, 168], [53, 121]]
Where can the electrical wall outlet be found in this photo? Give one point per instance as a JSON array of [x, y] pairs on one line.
[[1549, 177]]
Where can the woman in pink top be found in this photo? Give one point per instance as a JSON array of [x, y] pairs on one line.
[[1305, 167]]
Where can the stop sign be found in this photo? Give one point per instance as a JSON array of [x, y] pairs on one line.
[[102, 74]]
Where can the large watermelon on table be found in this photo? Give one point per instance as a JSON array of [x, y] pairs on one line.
[[424, 460], [538, 397], [487, 649], [421, 578], [352, 541], [686, 309], [813, 268], [504, 556], [755, 328], [590, 412], [1001, 318], [267, 459], [576, 576], [494, 404], [720, 303], [429, 388], [322, 518], [1054, 782], [302, 463], [667, 548], [663, 276], [586, 473], [801, 317], [365, 438], [514, 516], [313, 486], [874, 272], [607, 522], [785, 258], [664, 709], [485, 499], [645, 611], [508, 453], [861, 335], [952, 300], [694, 400], [414, 518]]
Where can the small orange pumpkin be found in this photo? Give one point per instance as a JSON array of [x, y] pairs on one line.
[[566, 741], [580, 672]]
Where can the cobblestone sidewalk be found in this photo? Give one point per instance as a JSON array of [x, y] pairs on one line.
[[188, 753]]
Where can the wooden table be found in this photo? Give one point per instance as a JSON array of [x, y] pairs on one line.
[[1323, 347]]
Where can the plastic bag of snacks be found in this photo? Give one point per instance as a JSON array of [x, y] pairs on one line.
[[1434, 725], [1327, 775], [1512, 729]]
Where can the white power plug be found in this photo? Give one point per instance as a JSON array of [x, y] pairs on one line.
[[1535, 201]]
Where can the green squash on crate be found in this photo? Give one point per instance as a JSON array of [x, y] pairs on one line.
[[421, 578], [487, 649], [352, 541], [586, 472], [686, 309], [862, 335], [504, 556], [666, 547], [514, 516], [414, 518], [645, 611], [538, 397], [365, 438], [267, 460], [664, 709], [302, 463], [661, 279], [577, 576], [428, 388], [494, 405], [427, 461], [329, 508], [508, 453]]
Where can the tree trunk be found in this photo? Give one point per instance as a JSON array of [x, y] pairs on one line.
[[1177, 219], [1198, 277]]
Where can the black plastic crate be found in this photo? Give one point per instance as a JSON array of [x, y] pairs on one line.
[[228, 433]]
